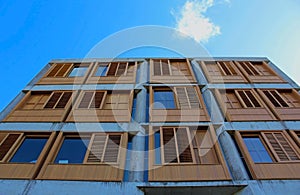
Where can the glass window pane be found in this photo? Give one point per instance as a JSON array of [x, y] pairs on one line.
[[29, 150], [257, 150], [164, 99], [157, 148], [101, 71], [78, 72], [72, 151]]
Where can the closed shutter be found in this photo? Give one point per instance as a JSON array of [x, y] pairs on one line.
[[104, 148], [97, 100], [156, 64], [58, 100], [165, 67], [112, 69], [184, 149], [60, 70], [7, 144], [36, 100], [187, 97], [86, 100], [121, 69], [280, 145], [64, 100], [231, 100]]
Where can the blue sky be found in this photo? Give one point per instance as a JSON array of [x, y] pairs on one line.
[[34, 32]]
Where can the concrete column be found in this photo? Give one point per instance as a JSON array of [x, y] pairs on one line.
[[232, 157], [138, 141]]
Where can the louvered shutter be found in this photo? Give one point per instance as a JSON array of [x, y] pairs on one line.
[[112, 149], [182, 97], [121, 69], [97, 100], [156, 64], [279, 143], [86, 99], [165, 67], [7, 143], [231, 100], [54, 70], [206, 148], [184, 149], [64, 100], [63, 70], [53, 99], [97, 148], [169, 146], [112, 69], [187, 97]]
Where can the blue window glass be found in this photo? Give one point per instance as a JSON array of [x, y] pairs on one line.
[[257, 150], [78, 72], [127, 163], [164, 100], [133, 108], [72, 151], [29, 151], [101, 71], [157, 148]]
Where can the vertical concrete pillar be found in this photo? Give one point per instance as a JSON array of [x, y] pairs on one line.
[[138, 141], [234, 162]]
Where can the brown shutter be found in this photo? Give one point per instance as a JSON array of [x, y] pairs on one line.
[[97, 148], [7, 144], [112, 148], [53, 99], [279, 144], [156, 64], [121, 69], [86, 99], [231, 100], [182, 97], [249, 68], [206, 148], [165, 67], [97, 100], [187, 97], [169, 145], [64, 100], [112, 69], [184, 149], [54, 70], [193, 97], [63, 70], [279, 99]]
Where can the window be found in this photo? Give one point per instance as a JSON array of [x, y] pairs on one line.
[[20, 147], [170, 67], [101, 70], [78, 71], [29, 150], [241, 99], [115, 69], [164, 99], [283, 97], [91, 99], [192, 145], [72, 150], [270, 146], [186, 98], [60, 70], [99, 148], [257, 150], [226, 68]]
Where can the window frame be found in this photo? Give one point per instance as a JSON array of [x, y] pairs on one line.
[[165, 89], [57, 102], [109, 66], [91, 101], [78, 66], [18, 142]]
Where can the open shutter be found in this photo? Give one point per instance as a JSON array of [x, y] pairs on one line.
[[63, 70], [96, 148], [59, 70], [281, 146], [122, 68], [7, 144], [54, 70], [97, 100], [64, 100]]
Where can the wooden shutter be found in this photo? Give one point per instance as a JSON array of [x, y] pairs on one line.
[[7, 143], [104, 148], [117, 100], [36, 100], [53, 100], [212, 68], [165, 67], [59, 70], [86, 99], [156, 67], [64, 100], [130, 69], [231, 100], [183, 143], [112, 69], [187, 97], [169, 146], [249, 68], [58, 100], [281, 147], [97, 100], [206, 148], [121, 68], [248, 99], [275, 98], [226, 68], [180, 67]]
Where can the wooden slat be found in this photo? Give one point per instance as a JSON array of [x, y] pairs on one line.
[[53, 100], [97, 148], [112, 149], [112, 69], [64, 100], [86, 99], [7, 144]]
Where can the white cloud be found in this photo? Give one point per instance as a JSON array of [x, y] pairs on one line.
[[192, 22]]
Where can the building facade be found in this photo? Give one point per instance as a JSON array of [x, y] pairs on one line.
[[153, 126]]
